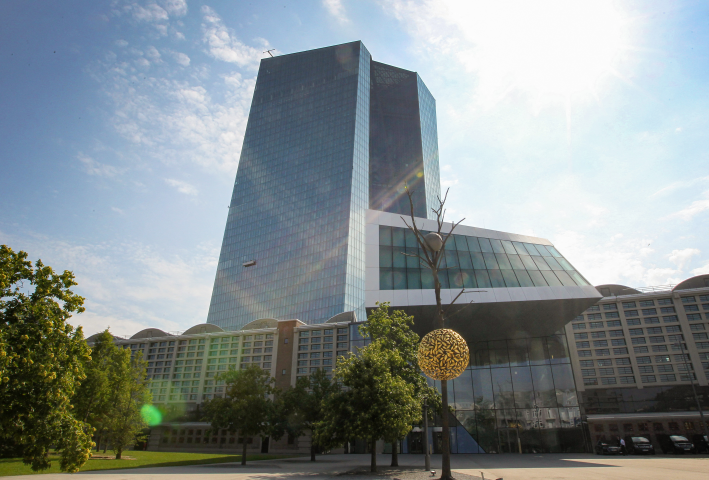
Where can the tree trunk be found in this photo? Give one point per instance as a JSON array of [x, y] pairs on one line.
[[445, 441], [373, 466], [243, 453], [118, 453], [312, 449], [395, 453], [445, 433], [98, 443]]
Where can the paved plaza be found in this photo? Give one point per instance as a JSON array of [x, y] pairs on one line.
[[349, 467]]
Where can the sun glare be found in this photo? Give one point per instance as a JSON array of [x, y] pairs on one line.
[[559, 48]]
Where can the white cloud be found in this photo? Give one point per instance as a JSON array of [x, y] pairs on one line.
[[695, 208], [703, 270], [181, 58], [118, 210], [223, 44], [336, 9], [177, 8], [197, 119], [92, 167], [153, 54], [680, 185], [150, 13], [682, 257], [129, 286], [182, 187], [121, 43], [543, 50]]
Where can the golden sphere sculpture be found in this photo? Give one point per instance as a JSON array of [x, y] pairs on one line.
[[443, 354]]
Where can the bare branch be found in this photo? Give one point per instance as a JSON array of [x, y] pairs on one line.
[[445, 312]]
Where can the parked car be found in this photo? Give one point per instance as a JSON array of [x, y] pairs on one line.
[[639, 445], [675, 444], [701, 443], [605, 448]]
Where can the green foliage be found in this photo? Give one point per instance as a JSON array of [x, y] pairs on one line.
[[303, 407], [394, 332], [375, 403], [91, 400], [128, 389], [42, 362], [246, 407]]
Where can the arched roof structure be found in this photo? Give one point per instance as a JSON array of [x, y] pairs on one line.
[[700, 281], [261, 323], [149, 333], [203, 328]]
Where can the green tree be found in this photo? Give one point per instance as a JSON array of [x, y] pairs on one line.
[[303, 405], [91, 400], [128, 387], [246, 407], [375, 403], [41, 363], [393, 331]]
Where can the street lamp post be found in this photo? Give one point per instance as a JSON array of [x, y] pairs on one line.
[[427, 453]]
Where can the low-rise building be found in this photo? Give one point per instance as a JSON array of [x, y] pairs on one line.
[[639, 356]]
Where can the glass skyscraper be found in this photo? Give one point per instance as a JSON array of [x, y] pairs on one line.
[[330, 134]]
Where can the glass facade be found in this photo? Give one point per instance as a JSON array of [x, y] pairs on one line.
[[516, 394], [403, 147], [330, 134], [471, 262], [676, 398], [300, 196], [429, 140], [520, 394]]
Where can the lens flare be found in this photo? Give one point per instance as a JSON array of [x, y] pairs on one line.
[[151, 415]]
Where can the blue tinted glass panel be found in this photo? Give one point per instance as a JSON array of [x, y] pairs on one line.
[[473, 244], [485, 245]]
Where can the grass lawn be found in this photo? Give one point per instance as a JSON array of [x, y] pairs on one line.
[[14, 466]]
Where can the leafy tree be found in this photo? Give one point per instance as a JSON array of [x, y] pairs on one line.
[[246, 407], [375, 402], [128, 387], [393, 331], [41, 363], [304, 407], [92, 399]]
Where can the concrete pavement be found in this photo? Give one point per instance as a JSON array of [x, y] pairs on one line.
[[507, 466]]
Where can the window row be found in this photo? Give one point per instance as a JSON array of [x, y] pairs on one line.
[[417, 279]]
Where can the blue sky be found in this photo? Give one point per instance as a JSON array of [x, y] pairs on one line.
[[122, 121]]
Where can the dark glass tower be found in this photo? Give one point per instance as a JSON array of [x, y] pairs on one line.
[[403, 142], [294, 243]]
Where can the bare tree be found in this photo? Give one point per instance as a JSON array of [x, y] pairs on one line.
[[433, 247]]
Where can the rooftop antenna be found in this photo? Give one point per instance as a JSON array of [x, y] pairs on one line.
[[269, 51]]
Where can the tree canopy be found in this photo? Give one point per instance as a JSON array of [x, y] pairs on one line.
[[42, 361], [375, 403], [304, 407], [246, 407], [128, 388]]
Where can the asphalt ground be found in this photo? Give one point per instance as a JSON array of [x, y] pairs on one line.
[[465, 467]]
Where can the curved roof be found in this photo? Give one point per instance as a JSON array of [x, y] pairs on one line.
[[343, 317], [93, 337], [614, 290], [150, 332], [700, 281], [203, 328], [261, 323]]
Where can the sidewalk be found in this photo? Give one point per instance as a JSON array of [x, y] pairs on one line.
[[465, 467]]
